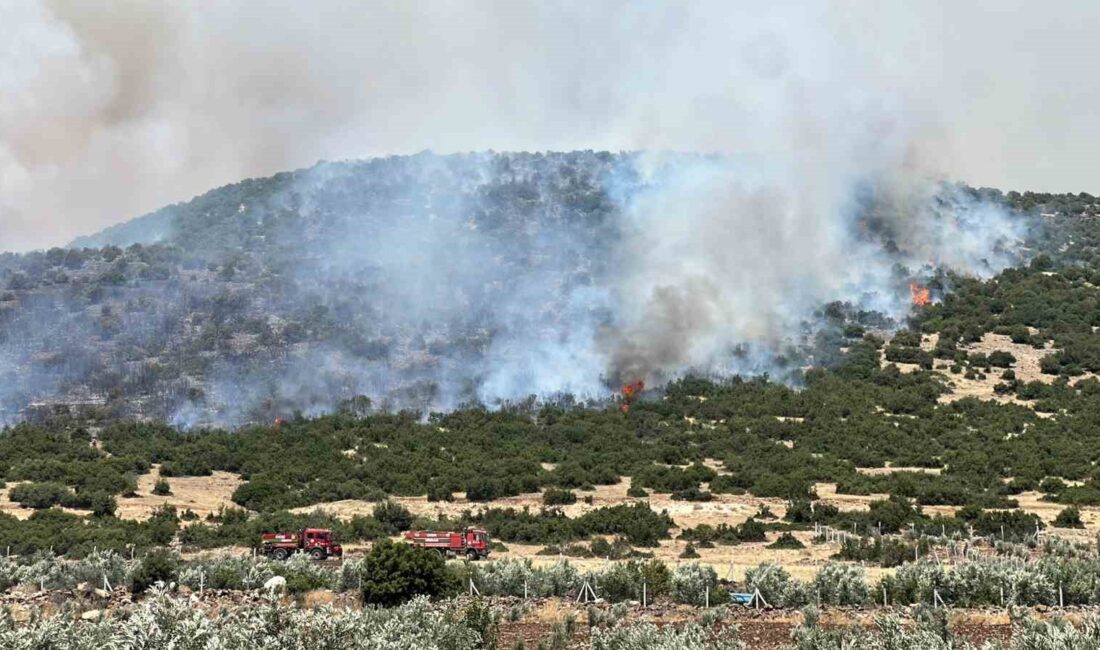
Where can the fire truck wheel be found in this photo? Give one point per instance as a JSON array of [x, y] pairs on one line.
[[318, 553], [471, 555], [280, 554]]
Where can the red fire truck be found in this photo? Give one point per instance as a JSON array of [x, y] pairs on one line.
[[318, 542], [471, 543]]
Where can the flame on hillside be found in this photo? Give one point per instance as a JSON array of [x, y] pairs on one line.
[[919, 295], [630, 392]]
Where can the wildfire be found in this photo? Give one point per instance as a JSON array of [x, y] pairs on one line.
[[629, 393], [920, 295]]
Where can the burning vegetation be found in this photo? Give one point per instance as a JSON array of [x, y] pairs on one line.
[[919, 295], [630, 393]]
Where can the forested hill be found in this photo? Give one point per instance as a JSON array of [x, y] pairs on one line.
[[387, 277], [422, 282]]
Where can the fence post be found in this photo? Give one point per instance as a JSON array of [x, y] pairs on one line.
[[644, 594], [106, 584], [1061, 603], [1002, 595], [884, 596], [202, 582], [706, 597], [525, 589]]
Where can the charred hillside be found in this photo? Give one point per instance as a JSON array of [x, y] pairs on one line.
[[430, 281]]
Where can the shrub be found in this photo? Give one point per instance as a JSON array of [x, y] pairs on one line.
[[692, 494], [158, 565], [440, 492], [841, 584], [395, 573], [647, 636], [558, 497], [787, 541], [776, 586], [162, 488], [751, 531], [636, 492], [690, 583], [689, 552], [482, 490], [1069, 518], [38, 495], [393, 516], [102, 504]]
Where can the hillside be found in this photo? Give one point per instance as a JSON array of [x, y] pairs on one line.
[[295, 292], [428, 282]]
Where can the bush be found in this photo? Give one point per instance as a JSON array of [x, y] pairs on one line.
[[393, 516], [482, 490], [440, 492], [39, 495], [690, 583], [102, 504], [841, 584], [558, 497], [161, 488], [158, 565], [692, 494], [751, 531], [395, 573], [776, 586], [1069, 518], [636, 492], [786, 541]]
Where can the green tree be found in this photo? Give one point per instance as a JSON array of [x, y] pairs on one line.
[[158, 565], [393, 516], [394, 573]]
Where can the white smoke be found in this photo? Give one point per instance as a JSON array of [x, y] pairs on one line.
[[109, 110], [816, 110]]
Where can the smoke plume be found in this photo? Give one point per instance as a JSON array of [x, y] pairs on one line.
[[109, 110], [824, 131]]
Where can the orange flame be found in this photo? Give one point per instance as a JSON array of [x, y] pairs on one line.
[[630, 392], [920, 295]]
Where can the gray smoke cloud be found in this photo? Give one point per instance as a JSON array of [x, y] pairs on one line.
[[109, 110]]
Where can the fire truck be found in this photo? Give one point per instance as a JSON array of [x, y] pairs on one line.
[[471, 543], [318, 542]]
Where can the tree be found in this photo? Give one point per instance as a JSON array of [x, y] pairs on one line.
[[162, 488], [393, 516], [158, 565], [394, 573]]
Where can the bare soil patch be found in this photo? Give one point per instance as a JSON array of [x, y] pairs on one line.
[[202, 495]]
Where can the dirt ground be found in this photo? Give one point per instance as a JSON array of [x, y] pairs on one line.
[[201, 494]]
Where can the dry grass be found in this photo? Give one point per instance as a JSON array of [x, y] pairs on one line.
[[1026, 369], [200, 494]]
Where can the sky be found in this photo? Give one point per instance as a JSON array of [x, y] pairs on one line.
[[109, 110]]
